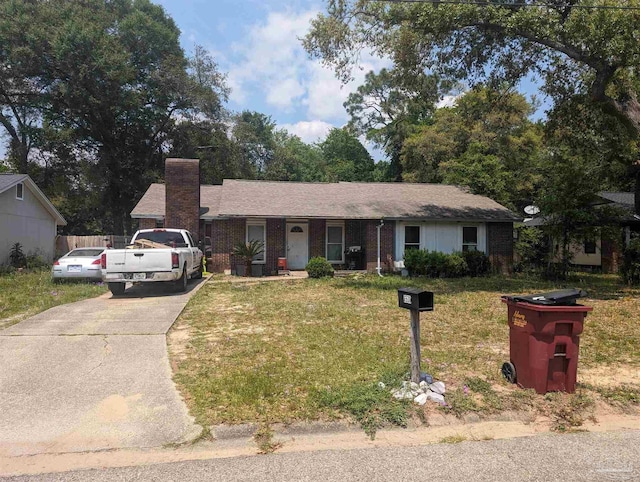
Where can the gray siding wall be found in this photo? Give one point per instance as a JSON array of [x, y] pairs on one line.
[[26, 222]]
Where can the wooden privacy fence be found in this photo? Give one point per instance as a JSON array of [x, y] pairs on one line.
[[65, 244]]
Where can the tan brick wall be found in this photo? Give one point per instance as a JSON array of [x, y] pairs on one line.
[[147, 224], [275, 244], [225, 233], [500, 246], [182, 190], [317, 233]]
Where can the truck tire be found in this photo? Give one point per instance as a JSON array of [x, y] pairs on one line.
[[116, 289], [198, 273], [181, 283]]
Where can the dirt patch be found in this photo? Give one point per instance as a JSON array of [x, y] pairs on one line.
[[609, 376]]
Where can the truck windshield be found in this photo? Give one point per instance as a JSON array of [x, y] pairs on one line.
[[164, 237]]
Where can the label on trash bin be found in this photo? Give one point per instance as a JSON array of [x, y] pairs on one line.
[[519, 320]]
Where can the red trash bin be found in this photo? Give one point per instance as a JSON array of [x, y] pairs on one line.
[[544, 340]]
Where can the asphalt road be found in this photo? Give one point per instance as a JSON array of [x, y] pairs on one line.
[[93, 375], [551, 457]]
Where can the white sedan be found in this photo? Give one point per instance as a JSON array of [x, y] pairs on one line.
[[79, 263]]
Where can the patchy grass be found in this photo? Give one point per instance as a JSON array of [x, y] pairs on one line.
[[24, 294], [453, 439], [316, 349]]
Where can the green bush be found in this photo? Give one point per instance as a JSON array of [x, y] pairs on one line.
[[319, 267], [17, 259], [35, 262], [630, 269], [477, 262], [531, 249], [434, 264], [455, 266]]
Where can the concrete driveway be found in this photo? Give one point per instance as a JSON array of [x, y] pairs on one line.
[[93, 375]]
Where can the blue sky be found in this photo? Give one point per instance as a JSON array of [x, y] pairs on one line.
[[257, 44]]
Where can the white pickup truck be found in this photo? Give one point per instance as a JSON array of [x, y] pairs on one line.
[[154, 255]]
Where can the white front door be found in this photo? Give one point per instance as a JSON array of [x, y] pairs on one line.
[[297, 245]]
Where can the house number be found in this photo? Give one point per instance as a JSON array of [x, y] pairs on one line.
[[406, 299]]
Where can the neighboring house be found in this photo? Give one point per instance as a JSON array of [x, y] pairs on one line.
[[26, 217], [602, 252], [298, 221]]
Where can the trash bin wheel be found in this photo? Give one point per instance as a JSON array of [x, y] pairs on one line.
[[509, 372]]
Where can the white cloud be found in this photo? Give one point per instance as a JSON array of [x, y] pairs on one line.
[[272, 60], [309, 131], [448, 101], [272, 63]]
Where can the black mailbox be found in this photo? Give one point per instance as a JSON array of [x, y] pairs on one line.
[[415, 299]]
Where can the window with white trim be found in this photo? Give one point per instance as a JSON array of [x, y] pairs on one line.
[[411, 237], [257, 232], [470, 238], [20, 191], [335, 243]]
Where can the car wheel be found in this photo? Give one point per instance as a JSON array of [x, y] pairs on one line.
[[181, 283], [116, 288]]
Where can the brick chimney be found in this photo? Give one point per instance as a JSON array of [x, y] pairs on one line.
[[182, 191]]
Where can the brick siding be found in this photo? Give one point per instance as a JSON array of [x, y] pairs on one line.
[[147, 223], [500, 246], [182, 190], [225, 234], [317, 232], [275, 245]]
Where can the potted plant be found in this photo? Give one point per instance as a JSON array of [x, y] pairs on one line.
[[247, 252]]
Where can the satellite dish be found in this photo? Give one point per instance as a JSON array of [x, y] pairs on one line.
[[531, 210]]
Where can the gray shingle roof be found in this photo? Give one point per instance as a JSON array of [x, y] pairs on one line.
[[357, 201], [624, 198], [152, 203], [8, 180], [239, 198]]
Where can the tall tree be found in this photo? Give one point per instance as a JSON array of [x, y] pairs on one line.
[[576, 46], [110, 74], [387, 106], [25, 30], [486, 141], [254, 133], [346, 158]]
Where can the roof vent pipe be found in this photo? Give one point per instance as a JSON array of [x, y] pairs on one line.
[[379, 268]]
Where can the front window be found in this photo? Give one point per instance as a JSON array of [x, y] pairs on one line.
[[470, 238], [411, 237], [335, 244], [256, 232], [20, 191], [590, 246]]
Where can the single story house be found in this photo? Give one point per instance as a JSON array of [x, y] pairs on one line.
[[26, 217], [298, 220], [602, 252]]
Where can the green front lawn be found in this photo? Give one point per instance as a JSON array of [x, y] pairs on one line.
[[23, 294], [316, 349]]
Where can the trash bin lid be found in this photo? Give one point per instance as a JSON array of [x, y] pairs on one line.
[[552, 298]]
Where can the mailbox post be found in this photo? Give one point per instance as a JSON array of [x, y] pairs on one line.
[[415, 301]]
